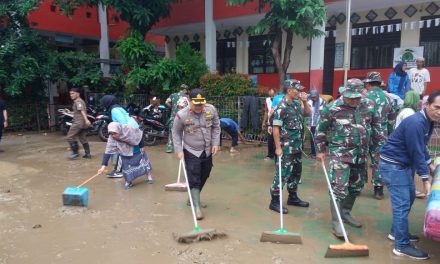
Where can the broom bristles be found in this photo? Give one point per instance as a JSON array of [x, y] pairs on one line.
[[348, 246], [202, 235]]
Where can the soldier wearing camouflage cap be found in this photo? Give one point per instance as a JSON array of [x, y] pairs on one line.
[[384, 111], [173, 103], [344, 132], [288, 122]]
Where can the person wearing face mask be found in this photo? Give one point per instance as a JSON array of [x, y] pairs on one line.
[[398, 82], [344, 133], [196, 136]]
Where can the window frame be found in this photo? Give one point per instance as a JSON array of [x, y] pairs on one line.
[[378, 42], [267, 51], [431, 34]]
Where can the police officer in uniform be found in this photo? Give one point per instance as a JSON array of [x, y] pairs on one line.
[[198, 125], [344, 130], [288, 130], [80, 123]]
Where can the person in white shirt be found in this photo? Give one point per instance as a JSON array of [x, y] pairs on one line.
[[419, 77], [316, 104], [266, 123]]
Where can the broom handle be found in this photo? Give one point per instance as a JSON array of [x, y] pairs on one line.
[[189, 194], [334, 202], [180, 169], [89, 179], [281, 193]]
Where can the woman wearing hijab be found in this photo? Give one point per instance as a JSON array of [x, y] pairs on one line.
[[126, 140], [398, 82], [410, 107]]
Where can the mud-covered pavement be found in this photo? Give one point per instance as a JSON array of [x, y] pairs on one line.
[[136, 225]]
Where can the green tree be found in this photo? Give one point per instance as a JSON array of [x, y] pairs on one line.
[[22, 53], [300, 17], [140, 14], [135, 52], [192, 63]]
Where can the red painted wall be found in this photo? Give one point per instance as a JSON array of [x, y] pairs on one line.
[[271, 79], [223, 11], [44, 19], [184, 12]]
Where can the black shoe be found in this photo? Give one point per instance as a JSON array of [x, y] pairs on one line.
[[378, 192], [295, 201], [275, 205], [411, 252], [412, 238]]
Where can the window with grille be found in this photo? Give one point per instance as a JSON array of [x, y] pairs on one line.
[[374, 51], [260, 55], [430, 40]]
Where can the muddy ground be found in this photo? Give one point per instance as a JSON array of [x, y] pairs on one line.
[[136, 225]]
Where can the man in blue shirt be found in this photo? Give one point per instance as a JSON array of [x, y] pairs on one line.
[[233, 130], [407, 149]]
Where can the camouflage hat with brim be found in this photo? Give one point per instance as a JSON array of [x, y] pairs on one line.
[[354, 88], [373, 77], [292, 83], [197, 96]]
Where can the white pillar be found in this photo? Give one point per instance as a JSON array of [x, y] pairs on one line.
[[317, 61], [104, 53], [210, 33]]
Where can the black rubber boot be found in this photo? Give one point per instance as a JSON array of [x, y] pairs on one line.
[[347, 206], [378, 192], [295, 201], [86, 151], [336, 226], [74, 148], [275, 205]]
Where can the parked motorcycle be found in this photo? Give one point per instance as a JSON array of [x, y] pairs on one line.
[[155, 124]]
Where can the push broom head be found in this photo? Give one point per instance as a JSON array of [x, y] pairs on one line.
[[281, 237], [176, 187], [347, 250], [199, 235]]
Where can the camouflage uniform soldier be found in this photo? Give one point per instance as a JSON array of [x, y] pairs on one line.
[[346, 126], [383, 110], [288, 120], [173, 103]]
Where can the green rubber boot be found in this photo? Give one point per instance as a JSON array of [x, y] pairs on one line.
[[336, 226], [195, 195], [170, 148], [347, 206]]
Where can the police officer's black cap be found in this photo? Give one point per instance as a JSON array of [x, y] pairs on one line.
[[74, 89], [197, 96]]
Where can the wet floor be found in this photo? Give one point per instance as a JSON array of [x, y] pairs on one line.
[[136, 225]]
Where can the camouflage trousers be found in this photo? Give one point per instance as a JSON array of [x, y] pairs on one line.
[[346, 178], [170, 130], [291, 168], [376, 178]]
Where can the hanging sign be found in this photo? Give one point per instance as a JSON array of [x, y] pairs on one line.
[[408, 55]]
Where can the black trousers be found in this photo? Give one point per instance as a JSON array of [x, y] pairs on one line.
[[270, 146], [1, 129], [250, 113], [312, 141], [198, 169]]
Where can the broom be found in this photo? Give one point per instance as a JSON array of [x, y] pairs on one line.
[[197, 234], [281, 235], [177, 186], [346, 249], [77, 196]]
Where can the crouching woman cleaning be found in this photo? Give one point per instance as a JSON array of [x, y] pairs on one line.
[[126, 141]]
